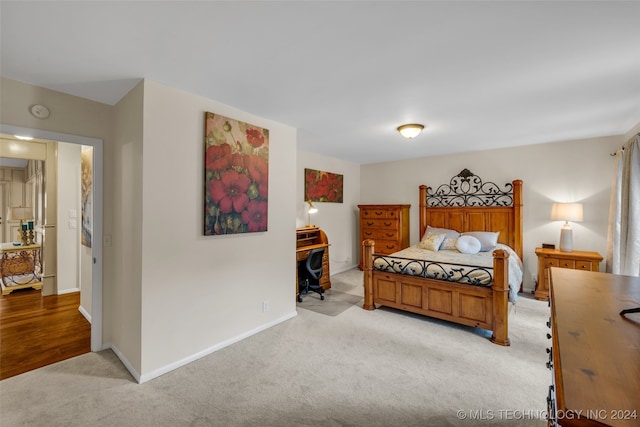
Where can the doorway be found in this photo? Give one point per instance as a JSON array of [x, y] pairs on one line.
[[97, 215]]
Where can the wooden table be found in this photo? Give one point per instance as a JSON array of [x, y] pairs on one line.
[[20, 267], [596, 352]]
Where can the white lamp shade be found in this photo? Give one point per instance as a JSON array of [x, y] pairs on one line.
[[20, 213], [566, 212]]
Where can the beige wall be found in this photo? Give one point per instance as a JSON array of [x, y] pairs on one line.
[[202, 292], [68, 279], [338, 220], [571, 171], [123, 289]]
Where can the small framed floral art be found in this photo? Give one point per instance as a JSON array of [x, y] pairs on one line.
[[236, 171], [320, 186]]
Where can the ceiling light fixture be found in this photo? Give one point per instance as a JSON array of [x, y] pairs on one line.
[[410, 131]]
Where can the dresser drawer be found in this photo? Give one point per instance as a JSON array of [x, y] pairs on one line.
[[583, 265], [387, 223], [559, 262], [376, 233], [387, 247], [379, 214]]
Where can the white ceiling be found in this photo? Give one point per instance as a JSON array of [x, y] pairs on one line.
[[478, 74]]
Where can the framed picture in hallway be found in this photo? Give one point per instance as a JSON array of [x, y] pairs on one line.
[[86, 166], [236, 176]]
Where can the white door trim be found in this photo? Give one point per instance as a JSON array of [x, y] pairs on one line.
[[96, 271]]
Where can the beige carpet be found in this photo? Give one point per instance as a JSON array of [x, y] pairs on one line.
[[356, 368]]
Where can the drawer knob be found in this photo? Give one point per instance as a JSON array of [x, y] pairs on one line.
[[549, 336], [566, 264]]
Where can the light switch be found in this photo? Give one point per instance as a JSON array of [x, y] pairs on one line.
[[72, 213]]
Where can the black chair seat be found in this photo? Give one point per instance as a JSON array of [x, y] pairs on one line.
[[309, 274]]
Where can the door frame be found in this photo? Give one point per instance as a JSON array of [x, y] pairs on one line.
[[96, 270]]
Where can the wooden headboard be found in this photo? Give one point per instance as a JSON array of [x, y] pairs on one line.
[[468, 204]]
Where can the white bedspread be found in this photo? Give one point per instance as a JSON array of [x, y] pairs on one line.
[[453, 266]]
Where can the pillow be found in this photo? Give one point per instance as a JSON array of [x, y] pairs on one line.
[[452, 234], [468, 244], [431, 242], [448, 244], [488, 239]]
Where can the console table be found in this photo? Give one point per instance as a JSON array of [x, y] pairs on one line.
[[595, 356], [20, 267]]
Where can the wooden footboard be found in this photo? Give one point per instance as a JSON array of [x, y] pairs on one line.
[[483, 307]]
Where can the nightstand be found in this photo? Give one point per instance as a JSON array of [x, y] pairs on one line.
[[576, 260]]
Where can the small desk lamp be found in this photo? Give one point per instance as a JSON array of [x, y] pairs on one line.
[[310, 210], [566, 212], [21, 214]]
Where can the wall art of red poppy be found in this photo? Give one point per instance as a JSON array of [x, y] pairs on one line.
[[236, 171], [322, 186]]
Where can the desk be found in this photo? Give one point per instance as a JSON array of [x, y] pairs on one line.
[[307, 239], [20, 267], [595, 351]]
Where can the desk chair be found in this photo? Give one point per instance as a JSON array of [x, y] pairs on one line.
[[309, 273]]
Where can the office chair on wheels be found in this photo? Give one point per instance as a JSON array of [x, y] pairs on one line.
[[309, 273]]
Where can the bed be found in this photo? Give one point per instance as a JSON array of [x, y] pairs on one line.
[[468, 291]]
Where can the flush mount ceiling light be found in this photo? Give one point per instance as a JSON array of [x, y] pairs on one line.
[[411, 130]]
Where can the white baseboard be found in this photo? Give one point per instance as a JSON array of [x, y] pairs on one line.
[[124, 361], [343, 269], [170, 367], [68, 291], [85, 313]]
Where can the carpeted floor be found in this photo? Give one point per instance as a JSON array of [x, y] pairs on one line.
[[353, 368]]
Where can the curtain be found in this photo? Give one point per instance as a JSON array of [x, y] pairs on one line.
[[623, 240]]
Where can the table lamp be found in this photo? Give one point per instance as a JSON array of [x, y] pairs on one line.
[[310, 210], [25, 230], [566, 212]]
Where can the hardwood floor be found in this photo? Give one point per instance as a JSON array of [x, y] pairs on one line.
[[36, 331]]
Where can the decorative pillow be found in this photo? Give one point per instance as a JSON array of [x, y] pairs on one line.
[[431, 242], [488, 239], [451, 234], [468, 244], [448, 244]]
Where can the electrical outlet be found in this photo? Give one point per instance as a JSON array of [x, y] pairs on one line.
[[535, 278], [265, 306]]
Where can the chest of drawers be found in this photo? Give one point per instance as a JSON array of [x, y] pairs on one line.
[[576, 260], [387, 225], [595, 353]]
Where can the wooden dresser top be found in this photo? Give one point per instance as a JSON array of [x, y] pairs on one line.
[[596, 351]]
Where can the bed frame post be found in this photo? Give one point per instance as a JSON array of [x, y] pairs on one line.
[[517, 217], [500, 298], [423, 209], [367, 266]]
